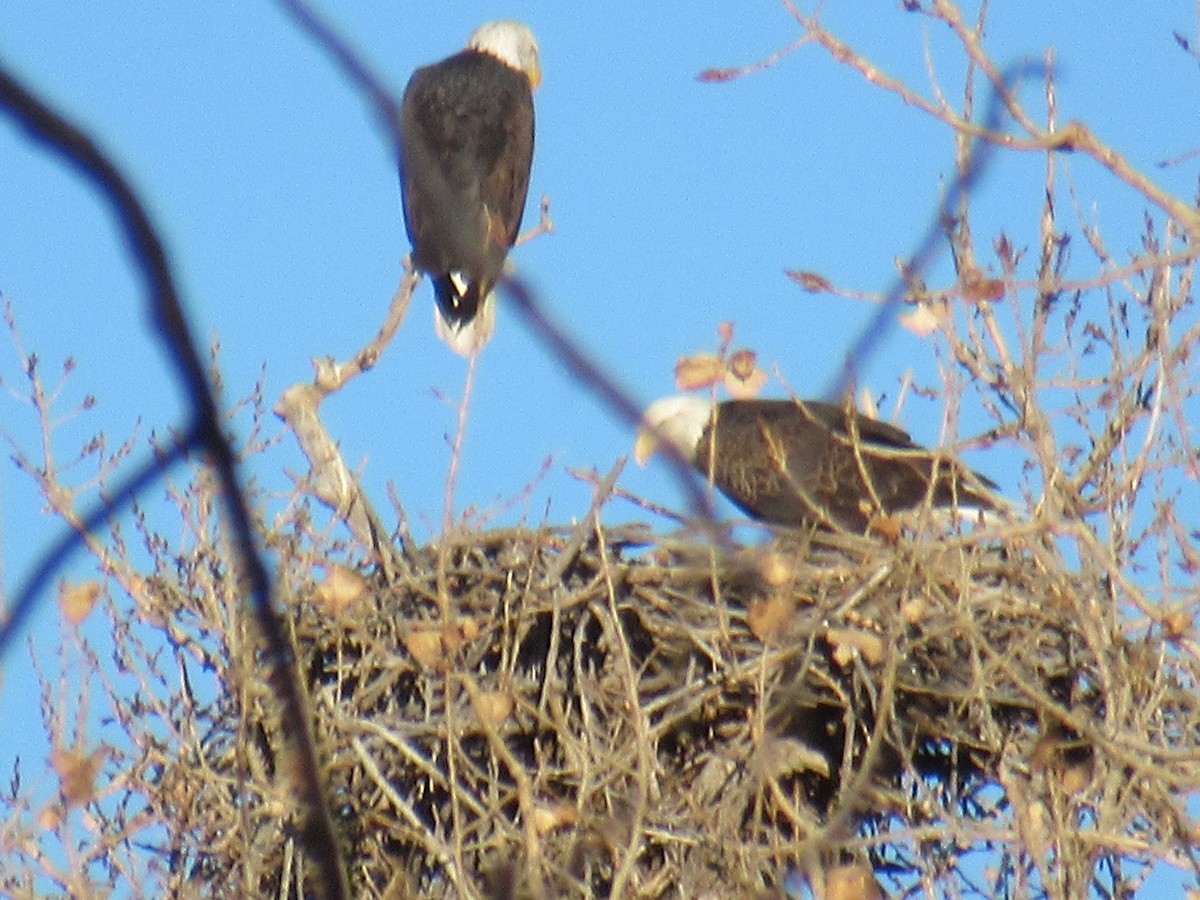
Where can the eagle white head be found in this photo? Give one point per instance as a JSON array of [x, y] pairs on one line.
[[512, 43], [680, 419]]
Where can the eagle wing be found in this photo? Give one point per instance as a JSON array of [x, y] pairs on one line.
[[466, 150], [806, 462]]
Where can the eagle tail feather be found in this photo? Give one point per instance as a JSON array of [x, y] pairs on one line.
[[462, 319]]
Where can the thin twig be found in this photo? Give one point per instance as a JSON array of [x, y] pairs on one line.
[[456, 446]]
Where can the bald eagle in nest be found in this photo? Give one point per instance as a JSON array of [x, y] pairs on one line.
[[466, 148], [808, 463]]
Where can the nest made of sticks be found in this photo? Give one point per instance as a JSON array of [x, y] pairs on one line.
[[593, 712]]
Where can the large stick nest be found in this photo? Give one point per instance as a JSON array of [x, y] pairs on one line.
[[578, 713]]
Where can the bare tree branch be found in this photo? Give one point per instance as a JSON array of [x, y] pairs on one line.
[[77, 149], [330, 480]]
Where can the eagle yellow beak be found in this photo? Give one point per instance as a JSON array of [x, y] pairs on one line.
[[644, 446], [534, 73]]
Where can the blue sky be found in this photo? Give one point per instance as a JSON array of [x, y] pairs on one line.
[[677, 205]]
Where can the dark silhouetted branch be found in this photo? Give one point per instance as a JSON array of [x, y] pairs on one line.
[[617, 399], [78, 151], [351, 64], [968, 175]]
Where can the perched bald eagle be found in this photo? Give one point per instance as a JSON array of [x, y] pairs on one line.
[[804, 462], [466, 147]]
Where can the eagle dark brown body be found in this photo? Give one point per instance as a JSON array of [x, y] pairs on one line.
[[790, 462], [466, 142]]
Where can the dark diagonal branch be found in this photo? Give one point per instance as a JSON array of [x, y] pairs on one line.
[[381, 97], [968, 175], [618, 400], [78, 151]]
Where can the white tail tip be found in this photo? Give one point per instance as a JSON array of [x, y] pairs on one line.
[[468, 337]]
